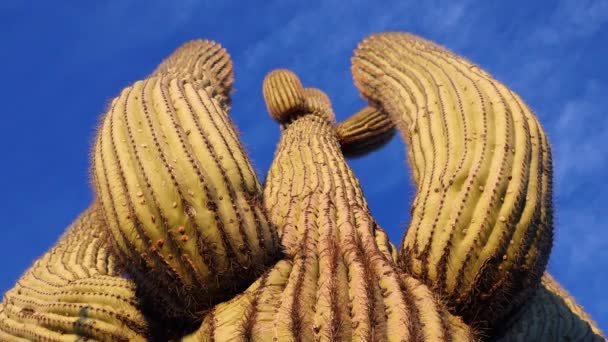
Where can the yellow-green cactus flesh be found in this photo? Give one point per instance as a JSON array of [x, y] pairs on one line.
[[365, 131], [339, 281], [481, 227], [180, 196]]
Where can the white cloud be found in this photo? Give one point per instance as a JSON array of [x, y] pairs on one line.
[[579, 135], [573, 19]]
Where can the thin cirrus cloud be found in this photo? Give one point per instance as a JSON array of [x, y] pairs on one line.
[[73, 59]]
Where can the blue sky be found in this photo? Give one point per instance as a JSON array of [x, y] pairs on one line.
[[61, 63]]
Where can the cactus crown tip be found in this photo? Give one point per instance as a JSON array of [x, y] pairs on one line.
[[287, 99]]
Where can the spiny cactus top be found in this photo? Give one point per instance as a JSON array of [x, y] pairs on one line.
[[481, 228], [74, 291], [339, 281], [181, 199]]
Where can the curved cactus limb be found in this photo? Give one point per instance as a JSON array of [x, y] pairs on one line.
[[365, 131], [180, 196], [551, 314], [74, 292], [481, 228], [340, 281]]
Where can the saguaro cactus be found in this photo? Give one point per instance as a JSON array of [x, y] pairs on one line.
[[181, 199], [183, 233], [74, 291], [481, 228], [339, 281]]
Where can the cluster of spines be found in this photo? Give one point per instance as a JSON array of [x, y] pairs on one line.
[[74, 292], [365, 131], [180, 196], [204, 62], [551, 314], [339, 281], [481, 228]]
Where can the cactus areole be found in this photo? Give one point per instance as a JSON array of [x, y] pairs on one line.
[[182, 241]]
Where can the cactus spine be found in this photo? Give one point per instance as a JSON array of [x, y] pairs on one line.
[[481, 228], [339, 281], [74, 291], [364, 131], [181, 199]]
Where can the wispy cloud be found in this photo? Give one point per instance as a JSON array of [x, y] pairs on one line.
[[572, 19]]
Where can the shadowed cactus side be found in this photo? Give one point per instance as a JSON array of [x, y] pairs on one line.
[[481, 228], [365, 131], [551, 314], [339, 281], [181, 199], [74, 292]]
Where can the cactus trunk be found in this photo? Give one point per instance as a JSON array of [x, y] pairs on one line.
[[339, 281]]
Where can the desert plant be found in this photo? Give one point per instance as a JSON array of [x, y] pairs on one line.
[[481, 228], [74, 291], [339, 280], [181, 199], [365, 131], [183, 237], [549, 314]]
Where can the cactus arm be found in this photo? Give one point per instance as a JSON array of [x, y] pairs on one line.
[[551, 314], [74, 291], [365, 131], [481, 227], [180, 196]]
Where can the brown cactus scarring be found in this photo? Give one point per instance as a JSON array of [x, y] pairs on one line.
[[181, 199], [74, 291], [364, 132], [339, 281], [481, 228]]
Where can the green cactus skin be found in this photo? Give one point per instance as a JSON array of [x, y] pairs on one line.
[[364, 132], [481, 229], [550, 315], [339, 281], [74, 292], [180, 196]]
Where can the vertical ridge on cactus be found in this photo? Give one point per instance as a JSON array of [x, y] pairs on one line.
[[365, 131], [74, 291], [551, 314], [339, 280], [179, 194], [481, 228]]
